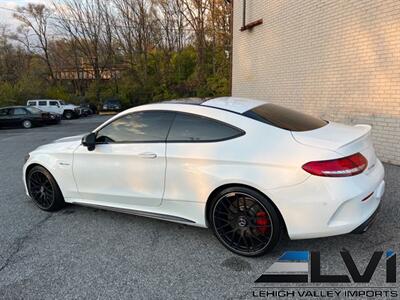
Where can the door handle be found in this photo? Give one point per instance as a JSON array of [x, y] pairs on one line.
[[147, 155]]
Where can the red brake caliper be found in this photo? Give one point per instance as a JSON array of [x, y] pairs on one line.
[[262, 222]]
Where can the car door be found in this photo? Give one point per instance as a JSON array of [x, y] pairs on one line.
[[4, 117], [43, 105], [200, 153], [17, 116], [54, 107], [127, 166]]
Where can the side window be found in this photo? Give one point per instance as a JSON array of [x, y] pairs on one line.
[[42, 103], [193, 128], [19, 111], [31, 103], [53, 103], [148, 126], [4, 112]]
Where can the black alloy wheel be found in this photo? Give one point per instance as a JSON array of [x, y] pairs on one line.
[[245, 221], [44, 190]]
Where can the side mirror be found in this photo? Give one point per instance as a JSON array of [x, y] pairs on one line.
[[89, 141]]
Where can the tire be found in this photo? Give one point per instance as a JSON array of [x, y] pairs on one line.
[[44, 190], [68, 115], [27, 124], [245, 221]]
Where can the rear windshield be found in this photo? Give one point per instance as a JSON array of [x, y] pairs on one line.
[[34, 110], [284, 118]]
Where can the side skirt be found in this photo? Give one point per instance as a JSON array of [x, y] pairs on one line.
[[140, 213]]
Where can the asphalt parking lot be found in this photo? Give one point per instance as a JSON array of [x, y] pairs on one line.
[[89, 253]]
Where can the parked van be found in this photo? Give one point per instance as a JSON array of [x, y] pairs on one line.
[[68, 111]]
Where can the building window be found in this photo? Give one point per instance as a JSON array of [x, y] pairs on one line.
[[245, 25]]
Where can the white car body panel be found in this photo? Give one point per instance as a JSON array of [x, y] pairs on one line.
[[179, 181], [333, 136], [125, 176], [58, 159]]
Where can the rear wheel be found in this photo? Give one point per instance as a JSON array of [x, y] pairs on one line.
[[27, 124], [245, 221], [44, 189]]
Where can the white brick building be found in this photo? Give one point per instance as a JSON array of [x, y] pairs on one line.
[[339, 59]]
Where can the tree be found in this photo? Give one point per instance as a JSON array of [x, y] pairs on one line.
[[35, 17], [135, 27], [137, 50], [195, 12], [173, 34], [88, 23]]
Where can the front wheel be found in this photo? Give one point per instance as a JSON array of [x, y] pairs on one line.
[[245, 221], [44, 190], [68, 115]]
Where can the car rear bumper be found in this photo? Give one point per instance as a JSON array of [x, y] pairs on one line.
[[53, 120], [367, 224], [321, 207]]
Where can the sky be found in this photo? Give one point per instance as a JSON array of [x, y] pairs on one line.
[[6, 15]]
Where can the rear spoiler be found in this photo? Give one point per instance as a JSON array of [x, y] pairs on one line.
[[367, 131]]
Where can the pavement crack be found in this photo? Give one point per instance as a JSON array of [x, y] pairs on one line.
[[19, 242]]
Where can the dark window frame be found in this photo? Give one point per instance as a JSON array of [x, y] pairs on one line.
[[42, 101], [245, 25], [241, 132]]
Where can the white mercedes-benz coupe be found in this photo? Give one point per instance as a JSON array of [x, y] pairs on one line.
[[247, 169]]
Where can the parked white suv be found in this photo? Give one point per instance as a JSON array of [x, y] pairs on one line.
[[68, 111]]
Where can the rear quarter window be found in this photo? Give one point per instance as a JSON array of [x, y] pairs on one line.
[[194, 128], [284, 118]]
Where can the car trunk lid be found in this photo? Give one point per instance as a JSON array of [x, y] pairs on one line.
[[342, 139], [45, 115]]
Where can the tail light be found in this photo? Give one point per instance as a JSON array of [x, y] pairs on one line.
[[341, 167]]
